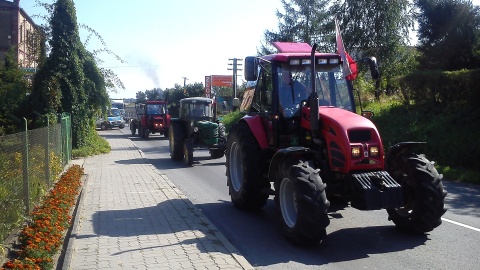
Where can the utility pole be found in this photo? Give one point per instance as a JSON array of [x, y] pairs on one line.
[[184, 81], [235, 68]]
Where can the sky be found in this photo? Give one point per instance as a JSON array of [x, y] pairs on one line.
[[165, 41]]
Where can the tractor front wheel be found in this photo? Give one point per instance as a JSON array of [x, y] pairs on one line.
[[175, 139], [423, 194], [244, 162], [187, 152], [301, 203]]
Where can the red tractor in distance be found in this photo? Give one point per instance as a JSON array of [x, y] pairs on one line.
[[152, 117], [302, 141]]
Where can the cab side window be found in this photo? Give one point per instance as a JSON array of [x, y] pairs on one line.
[[262, 100]]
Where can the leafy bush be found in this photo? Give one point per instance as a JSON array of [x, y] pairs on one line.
[[96, 145], [230, 119], [448, 135]]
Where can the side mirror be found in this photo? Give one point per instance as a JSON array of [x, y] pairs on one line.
[[367, 114], [372, 61], [250, 72]]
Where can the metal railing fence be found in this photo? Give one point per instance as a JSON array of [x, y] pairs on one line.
[[30, 162]]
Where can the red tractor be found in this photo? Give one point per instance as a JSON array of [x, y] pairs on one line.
[[152, 117], [302, 141]]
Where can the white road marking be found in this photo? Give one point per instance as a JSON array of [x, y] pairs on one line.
[[460, 224]]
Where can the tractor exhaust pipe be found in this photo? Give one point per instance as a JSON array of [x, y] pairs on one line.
[[313, 99]]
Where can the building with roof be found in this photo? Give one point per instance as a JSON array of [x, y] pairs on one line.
[[18, 30]]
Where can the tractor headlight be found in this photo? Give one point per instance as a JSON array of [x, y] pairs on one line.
[[322, 61], [195, 129], [295, 62], [334, 61], [356, 151], [374, 151], [306, 61]]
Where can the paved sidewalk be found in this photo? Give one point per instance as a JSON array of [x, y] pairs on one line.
[[131, 216]]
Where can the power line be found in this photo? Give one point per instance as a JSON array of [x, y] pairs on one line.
[[132, 66]]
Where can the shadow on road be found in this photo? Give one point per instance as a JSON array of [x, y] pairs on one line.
[[167, 218], [259, 231]]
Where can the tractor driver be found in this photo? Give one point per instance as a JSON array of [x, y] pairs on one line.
[[198, 110], [290, 93]]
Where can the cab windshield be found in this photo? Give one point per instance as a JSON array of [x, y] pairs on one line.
[[114, 113], [294, 84], [199, 109], [155, 108]]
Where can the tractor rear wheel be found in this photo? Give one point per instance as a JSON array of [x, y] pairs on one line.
[[244, 162], [301, 203], [187, 152], [423, 194], [176, 137]]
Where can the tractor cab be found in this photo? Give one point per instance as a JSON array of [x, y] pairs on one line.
[[280, 90], [196, 109], [281, 83]]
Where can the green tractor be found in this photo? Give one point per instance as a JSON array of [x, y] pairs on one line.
[[196, 127]]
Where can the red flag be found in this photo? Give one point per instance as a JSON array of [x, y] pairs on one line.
[[349, 65], [353, 68]]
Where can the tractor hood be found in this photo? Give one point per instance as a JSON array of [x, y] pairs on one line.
[[346, 120], [344, 130], [338, 118], [157, 117]]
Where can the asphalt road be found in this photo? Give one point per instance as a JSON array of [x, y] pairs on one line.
[[356, 239]]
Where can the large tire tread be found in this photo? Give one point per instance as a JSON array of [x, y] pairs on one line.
[[177, 136], [311, 203], [424, 195], [250, 195]]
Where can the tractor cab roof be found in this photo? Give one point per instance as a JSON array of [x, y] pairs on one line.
[[195, 100], [295, 50]]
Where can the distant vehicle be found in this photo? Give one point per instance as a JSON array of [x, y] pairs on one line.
[[114, 120], [117, 103], [151, 117], [196, 127]]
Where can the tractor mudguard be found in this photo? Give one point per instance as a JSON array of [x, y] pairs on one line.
[[285, 154], [398, 149], [256, 126]]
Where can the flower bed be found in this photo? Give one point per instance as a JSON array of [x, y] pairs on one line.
[[43, 235]]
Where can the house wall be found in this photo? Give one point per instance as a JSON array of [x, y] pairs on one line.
[[17, 29]]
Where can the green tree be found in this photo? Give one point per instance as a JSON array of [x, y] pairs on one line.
[[69, 80], [306, 21], [13, 91], [179, 92], [141, 97], [112, 81], [376, 28], [154, 94], [449, 34]]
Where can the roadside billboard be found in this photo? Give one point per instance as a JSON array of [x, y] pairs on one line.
[[222, 80]]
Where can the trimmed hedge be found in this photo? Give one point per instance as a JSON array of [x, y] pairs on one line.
[[452, 90]]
